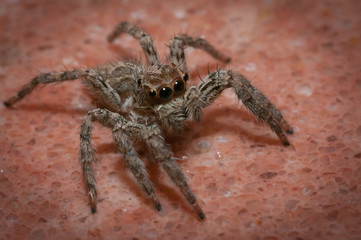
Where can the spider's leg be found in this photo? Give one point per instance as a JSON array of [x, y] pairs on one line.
[[211, 87], [86, 149], [96, 80], [180, 41], [159, 149], [136, 166], [260, 105], [144, 39], [43, 79], [119, 126]]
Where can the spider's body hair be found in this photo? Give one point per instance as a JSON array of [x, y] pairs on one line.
[[123, 87], [143, 103]]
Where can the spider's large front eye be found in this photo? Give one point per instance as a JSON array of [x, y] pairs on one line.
[[152, 93], [179, 86], [165, 93]]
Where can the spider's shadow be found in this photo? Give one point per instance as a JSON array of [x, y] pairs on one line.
[[214, 126]]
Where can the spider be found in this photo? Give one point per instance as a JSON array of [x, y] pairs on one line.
[[146, 103]]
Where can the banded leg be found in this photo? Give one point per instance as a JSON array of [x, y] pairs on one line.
[[43, 78], [158, 148], [144, 39], [120, 134], [212, 86], [178, 43]]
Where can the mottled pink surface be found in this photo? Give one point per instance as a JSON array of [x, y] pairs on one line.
[[304, 55]]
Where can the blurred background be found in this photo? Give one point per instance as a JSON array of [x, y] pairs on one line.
[[304, 55]]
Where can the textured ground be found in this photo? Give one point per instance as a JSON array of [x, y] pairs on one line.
[[304, 55]]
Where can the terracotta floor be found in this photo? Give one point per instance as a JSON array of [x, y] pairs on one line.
[[304, 55]]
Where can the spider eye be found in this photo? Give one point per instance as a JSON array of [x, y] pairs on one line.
[[165, 93], [185, 77], [139, 81], [179, 86], [152, 93]]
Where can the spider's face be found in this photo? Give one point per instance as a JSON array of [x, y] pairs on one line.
[[162, 83]]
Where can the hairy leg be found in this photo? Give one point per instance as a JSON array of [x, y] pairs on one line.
[[136, 166], [211, 87], [43, 79], [260, 105], [144, 39], [180, 41], [86, 149], [159, 149], [121, 131], [96, 80]]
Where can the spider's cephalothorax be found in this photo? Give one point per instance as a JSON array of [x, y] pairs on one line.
[[161, 83], [144, 103]]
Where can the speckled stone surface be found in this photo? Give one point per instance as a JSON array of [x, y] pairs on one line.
[[304, 55]]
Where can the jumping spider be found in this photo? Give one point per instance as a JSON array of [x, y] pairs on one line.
[[146, 102]]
